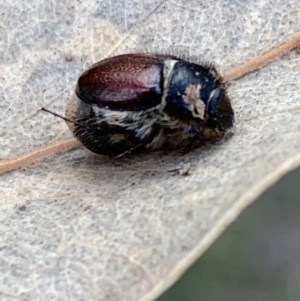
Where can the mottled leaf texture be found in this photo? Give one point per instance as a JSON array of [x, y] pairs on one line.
[[76, 227]]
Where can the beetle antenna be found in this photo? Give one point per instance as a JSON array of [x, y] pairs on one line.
[[65, 118]]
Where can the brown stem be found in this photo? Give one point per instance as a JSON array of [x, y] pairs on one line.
[[261, 60], [66, 145], [38, 154]]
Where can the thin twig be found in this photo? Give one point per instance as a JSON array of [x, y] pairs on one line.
[[66, 145], [38, 154], [261, 60]]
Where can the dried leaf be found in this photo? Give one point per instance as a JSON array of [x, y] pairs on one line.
[[76, 227]]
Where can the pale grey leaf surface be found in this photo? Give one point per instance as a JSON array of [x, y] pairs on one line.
[[74, 227]]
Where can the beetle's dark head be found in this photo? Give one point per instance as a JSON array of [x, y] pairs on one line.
[[219, 111]]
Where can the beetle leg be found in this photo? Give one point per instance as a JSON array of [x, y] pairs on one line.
[[196, 136], [127, 152], [188, 147]]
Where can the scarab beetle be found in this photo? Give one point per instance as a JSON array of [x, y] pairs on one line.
[[134, 101]]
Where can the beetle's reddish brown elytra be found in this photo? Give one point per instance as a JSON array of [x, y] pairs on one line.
[[134, 101]]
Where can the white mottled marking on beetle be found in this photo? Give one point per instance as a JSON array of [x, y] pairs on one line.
[[195, 103], [168, 71]]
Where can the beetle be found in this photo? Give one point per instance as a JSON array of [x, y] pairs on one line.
[[150, 101]]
